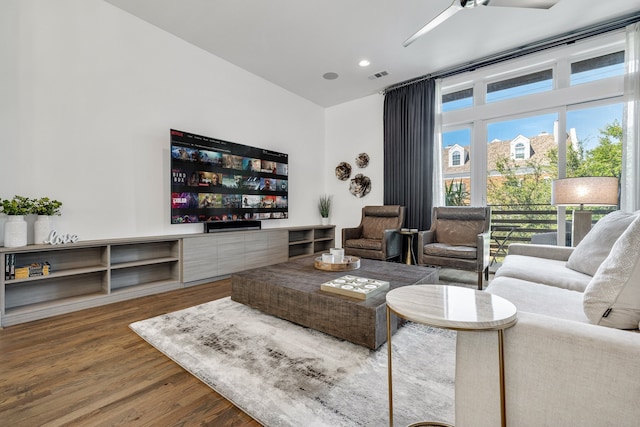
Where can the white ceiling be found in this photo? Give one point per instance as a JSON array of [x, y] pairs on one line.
[[292, 43]]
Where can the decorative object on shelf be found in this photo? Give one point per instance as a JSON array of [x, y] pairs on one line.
[[45, 208], [58, 239], [15, 230], [343, 171], [324, 206], [360, 185], [362, 161]]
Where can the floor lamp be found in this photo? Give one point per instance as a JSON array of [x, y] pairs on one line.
[[588, 190]]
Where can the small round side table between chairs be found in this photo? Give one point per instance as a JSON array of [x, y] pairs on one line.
[[450, 307]]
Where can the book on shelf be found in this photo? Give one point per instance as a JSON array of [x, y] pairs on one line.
[[11, 271]]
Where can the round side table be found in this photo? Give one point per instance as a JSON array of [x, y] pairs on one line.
[[450, 307]]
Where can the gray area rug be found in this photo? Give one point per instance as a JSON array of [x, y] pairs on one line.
[[283, 374]]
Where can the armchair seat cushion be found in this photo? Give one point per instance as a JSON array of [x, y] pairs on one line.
[[371, 244], [450, 251]]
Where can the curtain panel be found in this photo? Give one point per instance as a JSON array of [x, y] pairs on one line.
[[630, 179], [409, 146]]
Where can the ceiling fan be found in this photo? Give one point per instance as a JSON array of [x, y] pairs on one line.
[[458, 5]]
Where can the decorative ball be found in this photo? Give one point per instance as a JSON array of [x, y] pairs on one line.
[[360, 185], [343, 171], [362, 160]]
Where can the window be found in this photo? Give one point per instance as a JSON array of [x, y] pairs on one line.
[[510, 130], [457, 100], [455, 158], [597, 68], [519, 151], [519, 86]]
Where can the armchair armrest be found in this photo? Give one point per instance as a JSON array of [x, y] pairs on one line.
[[559, 253], [483, 245], [392, 242], [424, 238], [351, 233]]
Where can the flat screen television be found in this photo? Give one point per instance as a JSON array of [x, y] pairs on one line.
[[220, 182]]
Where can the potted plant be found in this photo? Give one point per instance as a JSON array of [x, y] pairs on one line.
[[15, 230], [45, 208], [324, 206]]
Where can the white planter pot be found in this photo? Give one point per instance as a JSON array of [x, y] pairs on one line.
[[324, 221], [41, 229], [15, 231]]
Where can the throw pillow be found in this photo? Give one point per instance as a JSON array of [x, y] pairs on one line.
[[596, 245], [612, 297]]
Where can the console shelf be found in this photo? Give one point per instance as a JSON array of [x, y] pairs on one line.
[[86, 274], [304, 241]]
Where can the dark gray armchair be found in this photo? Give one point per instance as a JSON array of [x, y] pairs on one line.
[[377, 235], [459, 238]]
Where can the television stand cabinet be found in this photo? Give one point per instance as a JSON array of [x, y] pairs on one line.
[[88, 274]]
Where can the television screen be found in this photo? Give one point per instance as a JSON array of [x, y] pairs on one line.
[[214, 180]]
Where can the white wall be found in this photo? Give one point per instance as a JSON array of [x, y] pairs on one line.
[[92, 94], [353, 128]]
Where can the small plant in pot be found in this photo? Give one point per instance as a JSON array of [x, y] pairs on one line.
[[19, 205], [324, 206], [46, 206], [15, 230]]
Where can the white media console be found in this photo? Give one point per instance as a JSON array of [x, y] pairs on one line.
[[91, 273]]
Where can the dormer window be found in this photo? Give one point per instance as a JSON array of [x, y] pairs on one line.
[[520, 148], [456, 156]]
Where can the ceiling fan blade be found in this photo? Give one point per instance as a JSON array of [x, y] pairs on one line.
[[444, 15], [531, 4]]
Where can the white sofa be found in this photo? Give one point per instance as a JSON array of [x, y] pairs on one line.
[[562, 366]]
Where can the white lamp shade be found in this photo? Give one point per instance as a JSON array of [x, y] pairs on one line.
[[588, 190]]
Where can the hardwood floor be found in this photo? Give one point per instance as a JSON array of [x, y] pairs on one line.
[[89, 368]]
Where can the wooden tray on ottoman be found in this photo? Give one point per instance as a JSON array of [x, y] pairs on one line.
[[350, 263]]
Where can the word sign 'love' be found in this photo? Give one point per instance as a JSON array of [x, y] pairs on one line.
[[57, 239]]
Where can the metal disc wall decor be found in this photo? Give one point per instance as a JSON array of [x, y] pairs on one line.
[[343, 171], [362, 160], [360, 185]]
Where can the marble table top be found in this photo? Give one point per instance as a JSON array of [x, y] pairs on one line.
[[452, 307]]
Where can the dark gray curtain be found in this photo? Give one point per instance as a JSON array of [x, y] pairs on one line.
[[408, 150]]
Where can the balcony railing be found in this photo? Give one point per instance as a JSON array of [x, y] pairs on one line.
[[517, 223]]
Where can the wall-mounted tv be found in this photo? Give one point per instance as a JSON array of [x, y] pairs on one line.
[[222, 182]]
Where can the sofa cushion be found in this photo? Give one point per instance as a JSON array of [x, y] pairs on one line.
[[540, 298], [550, 272], [449, 251], [373, 226], [457, 232], [373, 244], [613, 295], [596, 245]]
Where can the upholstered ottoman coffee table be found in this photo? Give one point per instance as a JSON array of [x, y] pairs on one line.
[[291, 291]]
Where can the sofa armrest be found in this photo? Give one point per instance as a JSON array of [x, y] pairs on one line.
[[557, 373], [560, 253]]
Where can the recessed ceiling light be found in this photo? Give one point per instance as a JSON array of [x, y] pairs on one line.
[[330, 76], [364, 63]]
